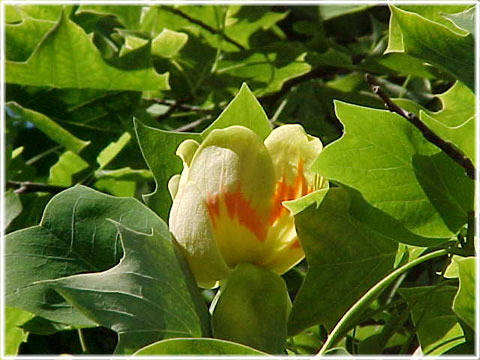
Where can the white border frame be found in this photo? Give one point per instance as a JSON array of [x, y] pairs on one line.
[[233, 2]]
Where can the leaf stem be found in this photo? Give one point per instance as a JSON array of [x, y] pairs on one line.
[[371, 295], [450, 149]]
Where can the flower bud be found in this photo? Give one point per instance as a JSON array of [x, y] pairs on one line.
[[227, 203]]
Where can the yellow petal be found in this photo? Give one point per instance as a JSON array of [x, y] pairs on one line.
[[191, 226]]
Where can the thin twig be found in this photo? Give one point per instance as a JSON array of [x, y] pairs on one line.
[[203, 25], [192, 125], [447, 147], [26, 187], [182, 106]]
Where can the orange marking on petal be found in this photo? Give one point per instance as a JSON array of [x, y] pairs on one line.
[[238, 208], [285, 192], [295, 244], [213, 206]]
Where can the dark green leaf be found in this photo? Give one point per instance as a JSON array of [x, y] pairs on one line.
[[150, 295], [46, 125], [73, 237], [345, 258], [436, 325]]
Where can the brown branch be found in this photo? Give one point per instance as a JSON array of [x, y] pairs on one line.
[[203, 25], [447, 147], [26, 187]]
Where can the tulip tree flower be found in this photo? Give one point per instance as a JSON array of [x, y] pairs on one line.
[[227, 203]]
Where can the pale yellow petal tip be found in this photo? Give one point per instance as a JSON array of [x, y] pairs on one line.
[[173, 185], [186, 150]]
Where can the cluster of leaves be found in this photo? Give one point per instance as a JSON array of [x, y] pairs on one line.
[[93, 269]]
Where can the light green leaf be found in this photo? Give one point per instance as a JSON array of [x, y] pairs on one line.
[[63, 171], [13, 207], [129, 16], [252, 309], [397, 171], [149, 296], [168, 43], [44, 12], [433, 41], [244, 110], [125, 174], [73, 237], [112, 150], [154, 142], [464, 20], [336, 243], [437, 326], [132, 43], [243, 21], [464, 303], [14, 335], [116, 187], [455, 122], [328, 12], [21, 39], [47, 126], [201, 347], [12, 14], [67, 58]]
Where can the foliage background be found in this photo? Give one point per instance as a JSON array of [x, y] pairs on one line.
[[76, 76]]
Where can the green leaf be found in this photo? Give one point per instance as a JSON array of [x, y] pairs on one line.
[[67, 58], [252, 309], [74, 236], [202, 347], [129, 16], [13, 207], [433, 42], [397, 171], [336, 243], [150, 295], [267, 68], [125, 174], [63, 171], [328, 12], [168, 43], [47, 126], [41, 326], [244, 110], [152, 143], [21, 39], [455, 122], [14, 335], [464, 303], [464, 20], [436, 324], [112, 150]]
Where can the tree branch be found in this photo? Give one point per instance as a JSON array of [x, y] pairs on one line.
[[447, 147], [203, 25], [26, 187]]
